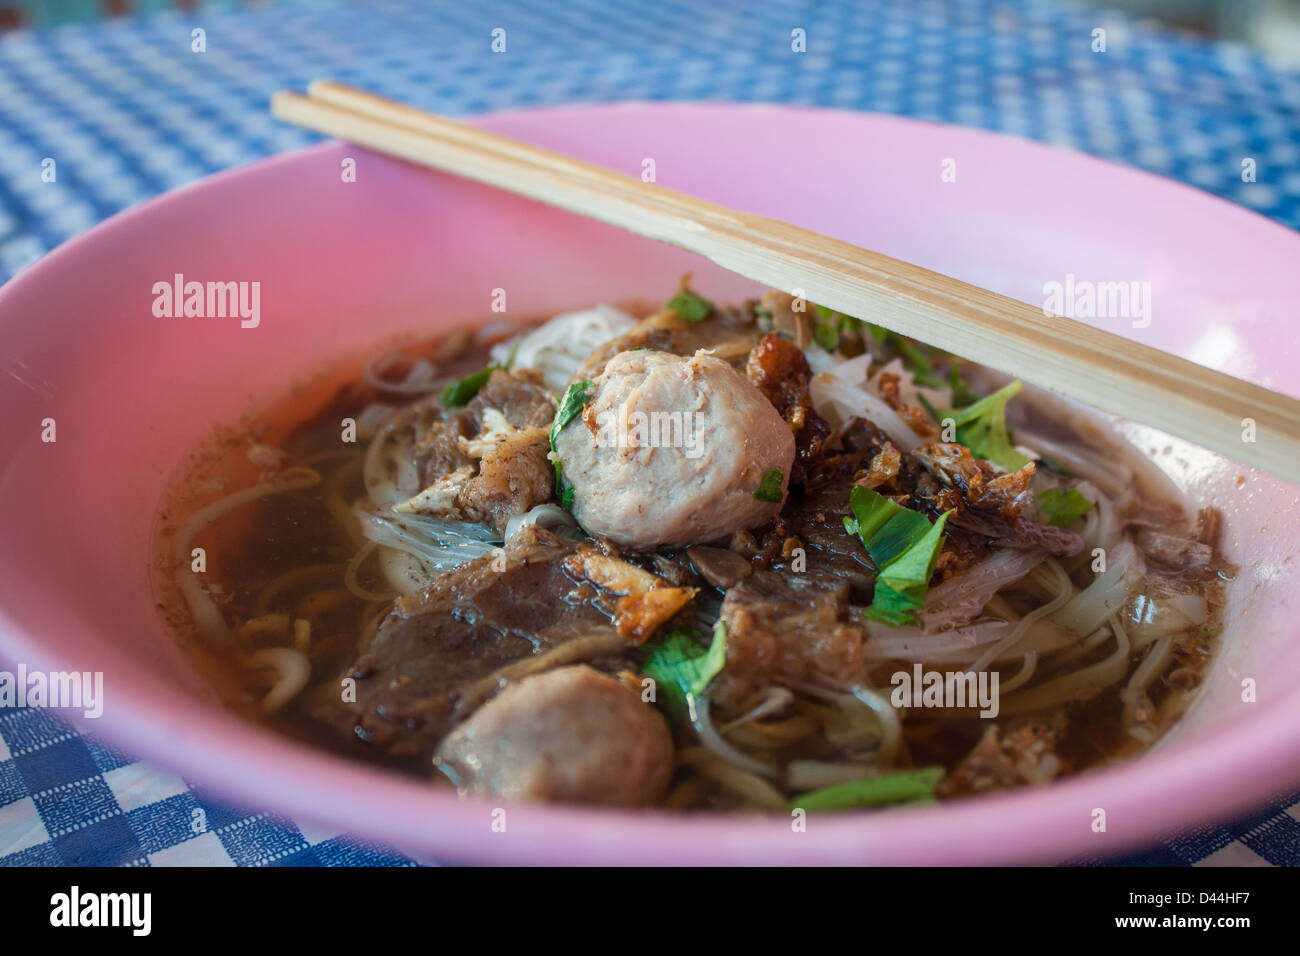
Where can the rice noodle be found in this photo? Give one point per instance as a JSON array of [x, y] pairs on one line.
[[1042, 611], [1138, 709], [1110, 476], [208, 618], [710, 738], [558, 346], [404, 572], [889, 726], [1100, 600], [293, 670], [439, 544], [418, 380], [913, 645], [776, 700], [389, 470], [1077, 685], [753, 789], [1102, 527], [350, 575], [1151, 617]]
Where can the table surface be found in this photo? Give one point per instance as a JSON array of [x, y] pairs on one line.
[[127, 110]]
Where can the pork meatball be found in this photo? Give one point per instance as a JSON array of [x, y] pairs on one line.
[[570, 735], [673, 451]]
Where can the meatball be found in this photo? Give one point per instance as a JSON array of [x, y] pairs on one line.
[[568, 735], [671, 450]]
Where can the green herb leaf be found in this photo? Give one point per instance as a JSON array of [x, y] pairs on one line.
[[961, 392], [1063, 507], [916, 362], [690, 306], [909, 786], [769, 489], [982, 427], [679, 666], [904, 547], [460, 393], [879, 333], [827, 324], [572, 402]]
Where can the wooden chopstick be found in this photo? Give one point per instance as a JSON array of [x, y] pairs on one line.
[[1115, 374]]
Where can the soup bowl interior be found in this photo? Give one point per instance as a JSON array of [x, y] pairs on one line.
[[341, 265]]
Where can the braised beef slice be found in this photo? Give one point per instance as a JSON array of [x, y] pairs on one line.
[[513, 478], [466, 624], [520, 395], [784, 626]]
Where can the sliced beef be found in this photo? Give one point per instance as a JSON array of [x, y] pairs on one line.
[[441, 434], [784, 626], [514, 477], [521, 395], [571, 735], [468, 623]]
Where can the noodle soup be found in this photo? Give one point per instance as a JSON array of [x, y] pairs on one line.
[[874, 575]]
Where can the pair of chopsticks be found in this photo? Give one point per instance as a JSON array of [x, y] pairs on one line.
[[1105, 370]]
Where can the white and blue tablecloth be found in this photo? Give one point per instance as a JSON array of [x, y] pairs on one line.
[[127, 110]]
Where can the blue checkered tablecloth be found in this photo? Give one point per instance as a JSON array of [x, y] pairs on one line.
[[126, 110]]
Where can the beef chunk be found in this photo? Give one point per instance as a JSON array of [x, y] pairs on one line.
[[513, 477], [570, 735], [465, 625], [788, 626], [520, 395]]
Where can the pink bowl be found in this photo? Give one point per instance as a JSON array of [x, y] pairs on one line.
[[342, 265]]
